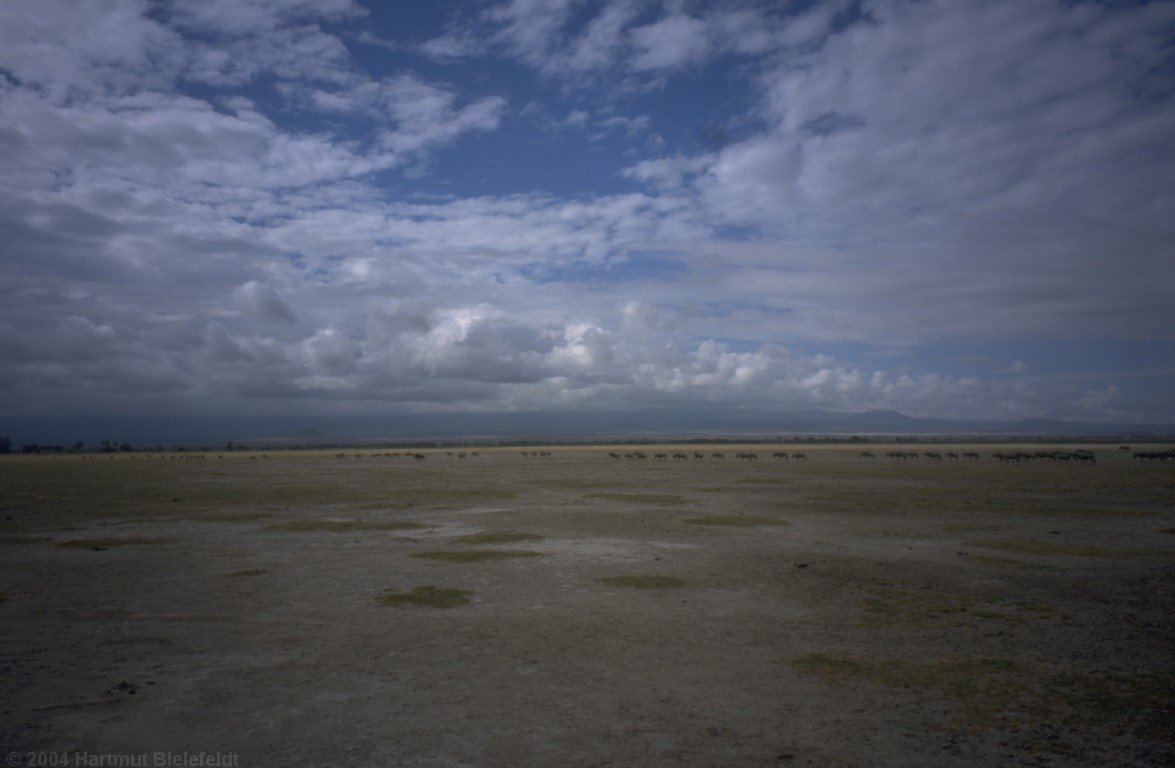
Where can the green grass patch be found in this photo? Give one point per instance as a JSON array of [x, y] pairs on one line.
[[248, 572], [474, 555], [972, 528], [893, 607], [734, 521], [957, 678], [107, 543], [238, 517], [338, 526], [888, 533], [658, 499], [508, 537], [430, 597], [647, 581], [442, 497]]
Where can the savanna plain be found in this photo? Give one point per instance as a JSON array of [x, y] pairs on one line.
[[564, 606]]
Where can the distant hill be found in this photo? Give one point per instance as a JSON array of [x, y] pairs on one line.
[[661, 424], [715, 424]]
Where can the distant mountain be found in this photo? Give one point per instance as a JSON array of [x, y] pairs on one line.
[[663, 424], [700, 424]]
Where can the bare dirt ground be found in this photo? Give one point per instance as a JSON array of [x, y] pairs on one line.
[[838, 611]]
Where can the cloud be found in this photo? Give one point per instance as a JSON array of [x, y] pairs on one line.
[[258, 17], [600, 44], [577, 42], [966, 163], [263, 302], [672, 42], [232, 211], [1017, 367], [425, 115], [66, 49]]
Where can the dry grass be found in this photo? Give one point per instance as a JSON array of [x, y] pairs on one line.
[[474, 555], [972, 528], [734, 521], [428, 597], [990, 691], [24, 539], [886, 615], [892, 607], [1030, 547], [109, 542], [238, 517], [646, 581], [338, 526], [508, 537], [657, 499]]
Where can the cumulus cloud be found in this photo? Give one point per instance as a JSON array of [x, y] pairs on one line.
[[909, 194], [69, 49]]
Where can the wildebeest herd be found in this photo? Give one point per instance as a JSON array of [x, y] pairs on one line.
[[1154, 455], [1079, 456]]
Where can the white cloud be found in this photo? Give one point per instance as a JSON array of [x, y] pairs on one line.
[[946, 175], [238, 19], [425, 115], [422, 115], [673, 42], [66, 49], [574, 41], [529, 27], [600, 44]]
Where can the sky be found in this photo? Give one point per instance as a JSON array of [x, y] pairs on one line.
[[300, 209]]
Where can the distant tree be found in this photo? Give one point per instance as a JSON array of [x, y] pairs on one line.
[[107, 446], [30, 448], [5, 444], [125, 448], [229, 446], [78, 447]]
